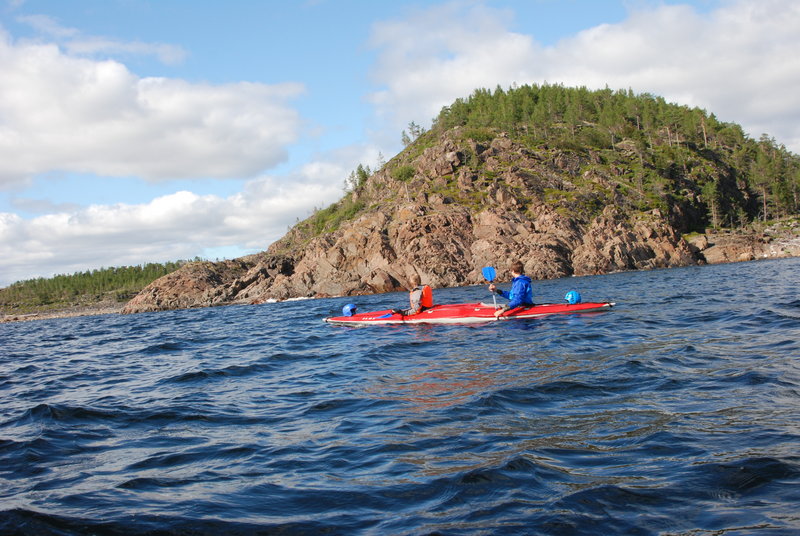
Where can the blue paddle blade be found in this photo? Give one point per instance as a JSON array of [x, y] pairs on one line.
[[489, 274], [387, 315]]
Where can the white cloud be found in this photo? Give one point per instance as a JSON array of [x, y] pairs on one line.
[[739, 61], [425, 64], [61, 112], [77, 43], [166, 53]]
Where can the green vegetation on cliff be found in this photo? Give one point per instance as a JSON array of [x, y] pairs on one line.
[[81, 288], [663, 154], [635, 151]]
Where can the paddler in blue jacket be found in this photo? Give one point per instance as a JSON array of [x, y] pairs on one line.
[[521, 292]]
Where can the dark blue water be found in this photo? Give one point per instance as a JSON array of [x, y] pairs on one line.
[[678, 412]]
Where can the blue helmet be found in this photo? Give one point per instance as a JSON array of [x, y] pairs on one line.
[[573, 297], [349, 309]]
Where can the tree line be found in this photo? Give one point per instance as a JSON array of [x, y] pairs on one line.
[[118, 284], [673, 144]]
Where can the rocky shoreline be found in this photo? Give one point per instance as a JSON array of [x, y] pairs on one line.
[[84, 310], [718, 248]]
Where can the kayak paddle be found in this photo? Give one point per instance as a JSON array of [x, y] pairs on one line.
[[489, 274]]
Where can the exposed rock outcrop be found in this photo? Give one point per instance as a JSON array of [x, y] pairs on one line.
[[197, 284]]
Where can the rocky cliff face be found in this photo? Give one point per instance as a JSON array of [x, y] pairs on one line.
[[444, 213]]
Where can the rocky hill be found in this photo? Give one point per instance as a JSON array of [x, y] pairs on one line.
[[463, 197]]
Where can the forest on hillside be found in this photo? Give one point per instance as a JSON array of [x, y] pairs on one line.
[[698, 171], [82, 288], [677, 150]]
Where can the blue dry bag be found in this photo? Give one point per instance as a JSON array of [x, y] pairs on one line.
[[573, 297], [349, 309]]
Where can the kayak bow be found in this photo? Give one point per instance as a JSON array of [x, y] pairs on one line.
[[467, 313]]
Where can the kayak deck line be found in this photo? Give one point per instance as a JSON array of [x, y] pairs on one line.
[[467, 313]]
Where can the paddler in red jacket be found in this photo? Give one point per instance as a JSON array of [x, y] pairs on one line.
[[420, 297]]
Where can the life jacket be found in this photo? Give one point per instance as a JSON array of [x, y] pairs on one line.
[[427, 297]]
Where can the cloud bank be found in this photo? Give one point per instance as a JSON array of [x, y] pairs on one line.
[[170, 227], [60, 112]]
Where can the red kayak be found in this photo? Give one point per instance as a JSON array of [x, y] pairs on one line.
[[467, 313]]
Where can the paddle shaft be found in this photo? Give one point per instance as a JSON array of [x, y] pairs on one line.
[[489, 275]]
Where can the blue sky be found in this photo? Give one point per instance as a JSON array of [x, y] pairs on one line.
[[150, 130]]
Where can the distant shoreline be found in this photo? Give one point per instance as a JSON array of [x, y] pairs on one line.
[[100, 309]]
